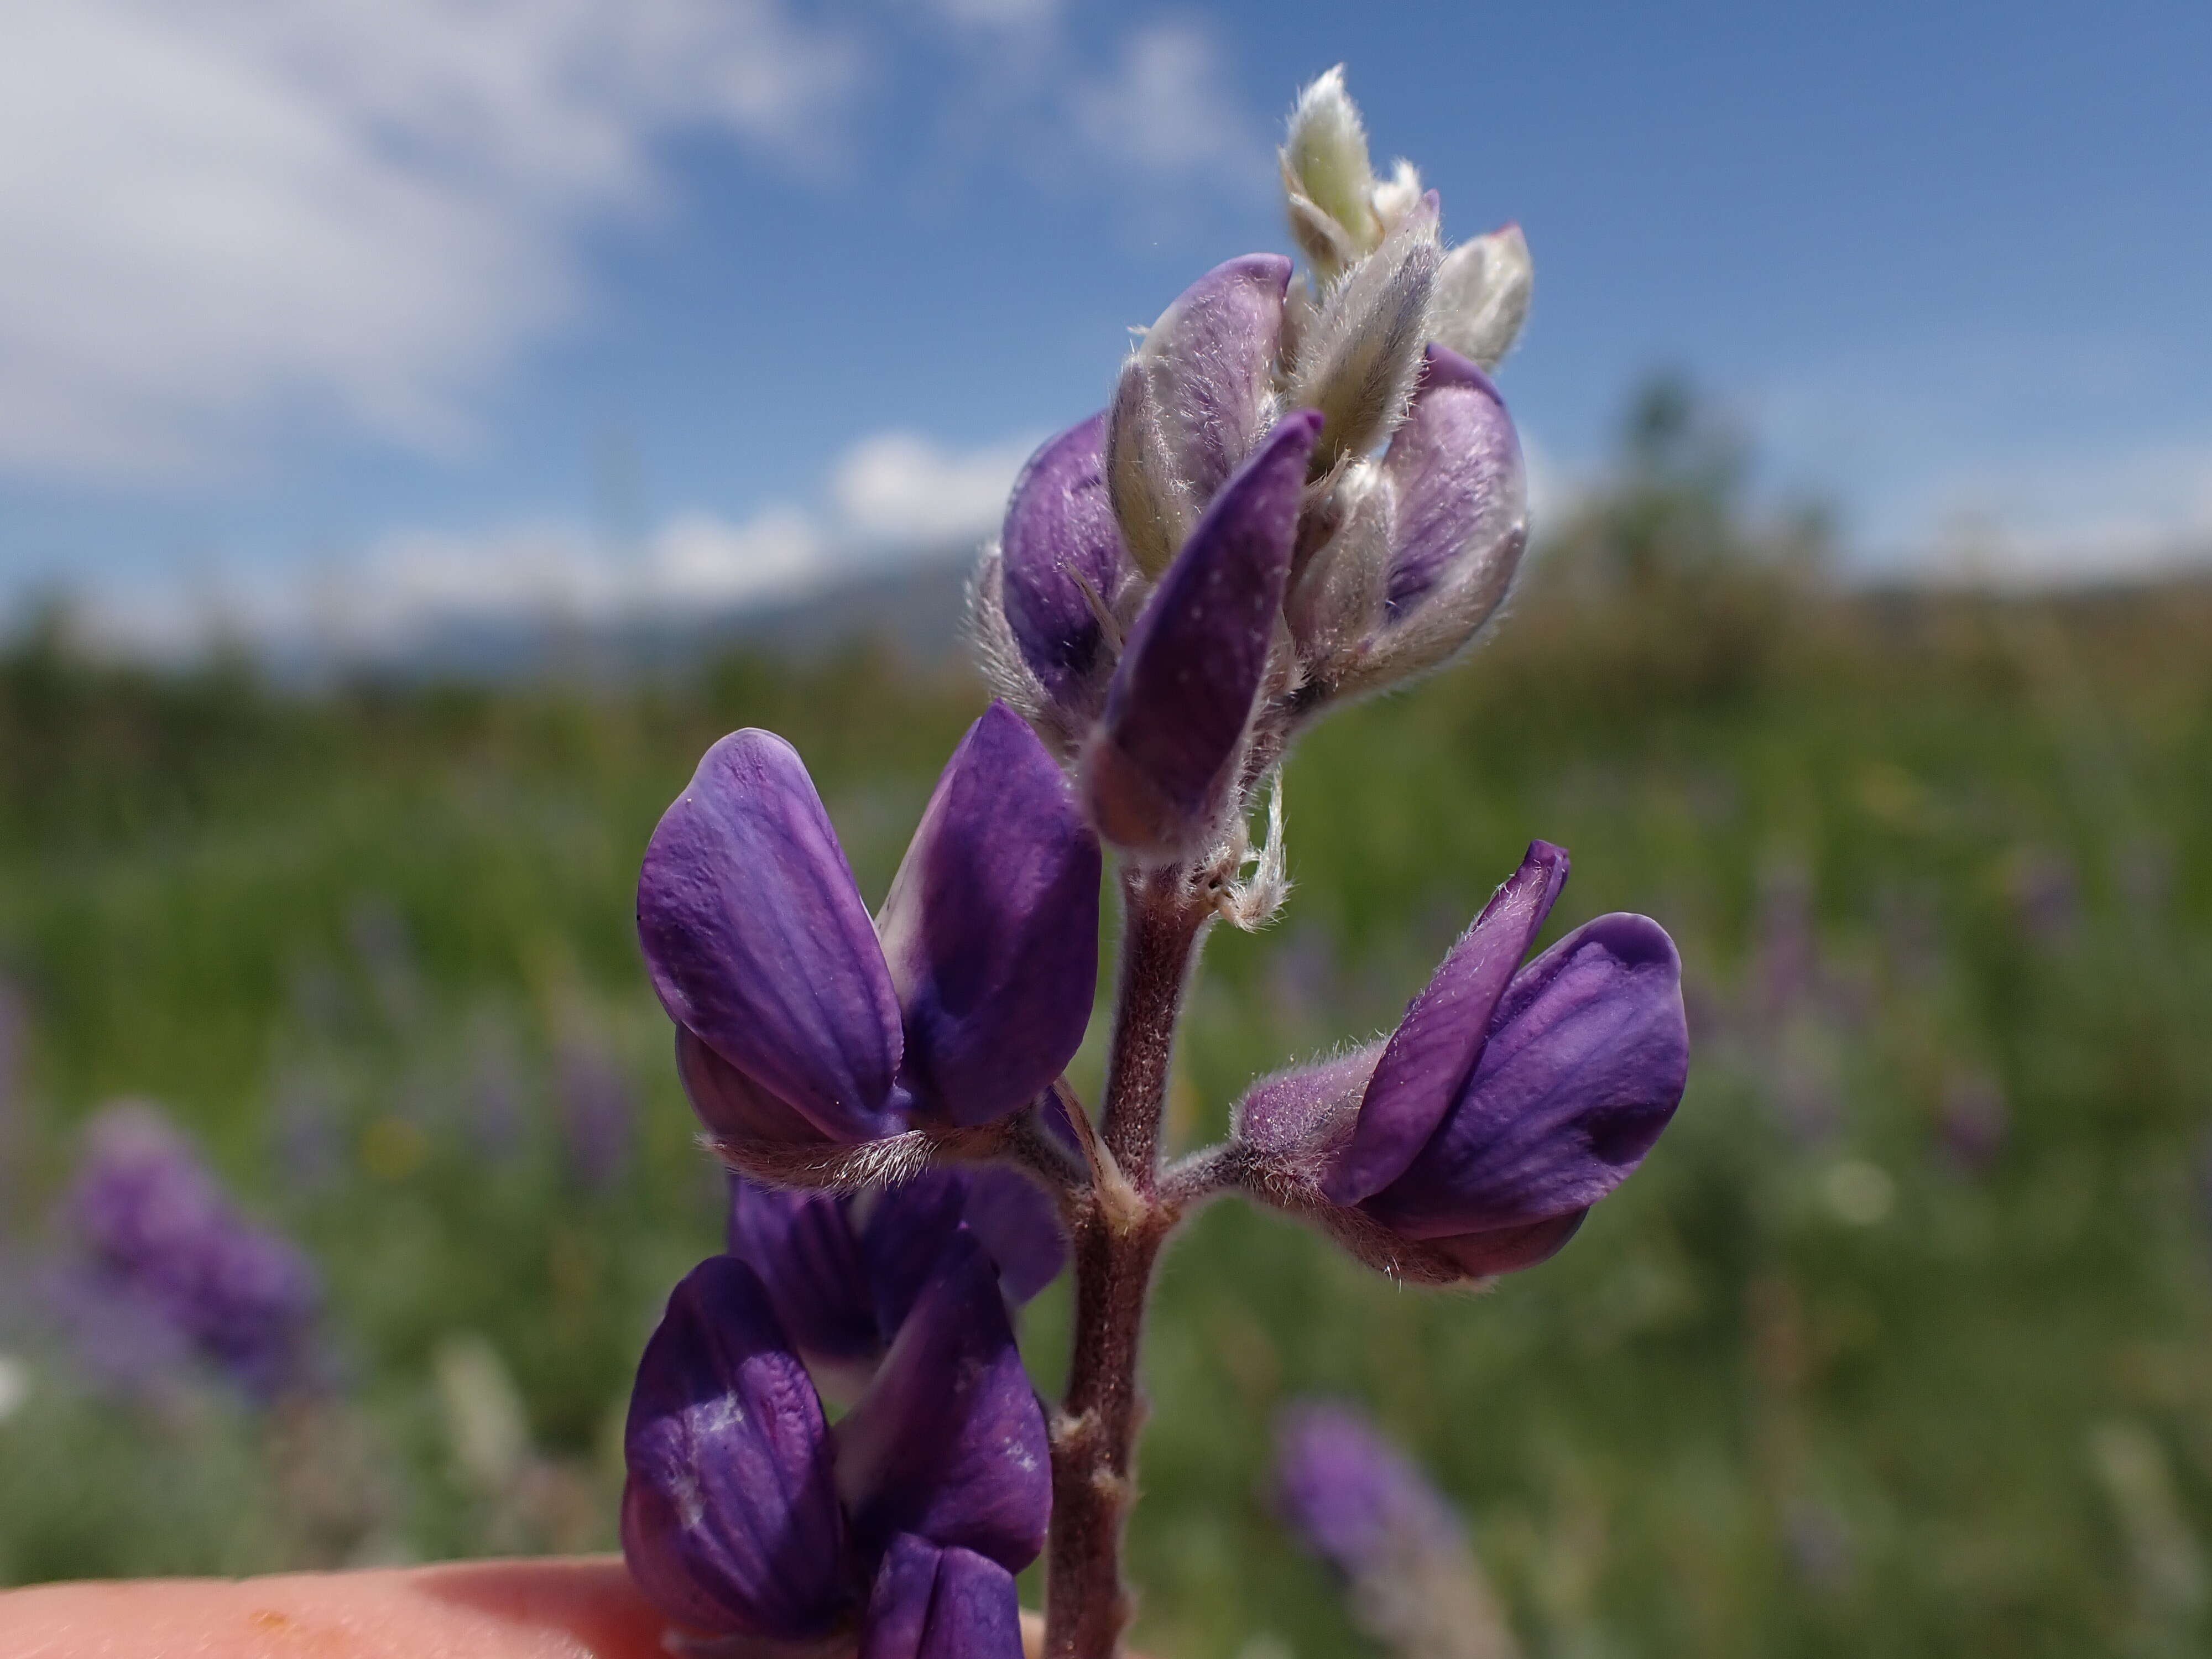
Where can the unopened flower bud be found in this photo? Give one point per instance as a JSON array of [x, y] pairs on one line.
[[1357, 360], [1326, 177], [1157, 772], [1192, 401], [1062, 566], [1482, 295]]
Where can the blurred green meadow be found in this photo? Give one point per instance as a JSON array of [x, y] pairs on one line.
[[1899, 1343]]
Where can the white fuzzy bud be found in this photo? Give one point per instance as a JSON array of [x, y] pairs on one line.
[[1325, 164], [1358, 359], [1481, 298]]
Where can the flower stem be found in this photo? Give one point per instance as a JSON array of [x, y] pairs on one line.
[[1115, 1245]]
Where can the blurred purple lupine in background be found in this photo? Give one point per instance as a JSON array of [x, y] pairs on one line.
[[168, 1267], [598, 1110], [1359, 1502], [14, 1138]]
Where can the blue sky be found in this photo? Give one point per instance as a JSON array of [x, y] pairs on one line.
[[331, 316]]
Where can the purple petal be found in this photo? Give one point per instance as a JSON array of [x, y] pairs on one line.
[[991, 927], [909, 1230], [1434, 1049], [1059, 537], [1462, 512], [1018, 1224], [730, 1517], [731, 1105], [1183, 695], [1193, 402], [756, 939], [949, 1442], [911, 1225], [1587, 1056], [1508, 1249], [804, 1248], [932, 1603]]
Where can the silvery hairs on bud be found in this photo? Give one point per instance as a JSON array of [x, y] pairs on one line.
[[1358, 359]]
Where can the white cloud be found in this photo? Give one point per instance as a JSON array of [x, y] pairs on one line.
[[2077, 517], [892, 497], [218, 209], [899, 487], [1167, 112]]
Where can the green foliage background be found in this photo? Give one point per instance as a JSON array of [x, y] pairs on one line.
[[1830, 1375]]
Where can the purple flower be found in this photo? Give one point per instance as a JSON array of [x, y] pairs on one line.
[[1425, 541], [1360, 1504], [1192, 403], [1259, 564], [843, 1271], [1352, 1496], [1064, 569], [1159, 770], [746, 1515], [1509, 1099], [165, 1245], [598, 1111], [800, 1018]]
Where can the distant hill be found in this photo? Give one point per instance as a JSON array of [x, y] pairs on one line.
[[915, 607]]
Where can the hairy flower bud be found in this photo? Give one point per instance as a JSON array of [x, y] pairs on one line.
[[1326, 177], [1157, 773], [1459, 497], [1481, 298], [1359, 358], [1192, 401], [1062, 568]]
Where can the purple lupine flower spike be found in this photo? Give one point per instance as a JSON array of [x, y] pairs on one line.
[[1359, 1502], [1433, 1052], [1507, 1103], [932, 1603], [757, 941], [1062, 561], [1353, 1496], [730, 1517], [167, 1244], [949, 1442], [1158, 768], [1193, 402], [991, 928]]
